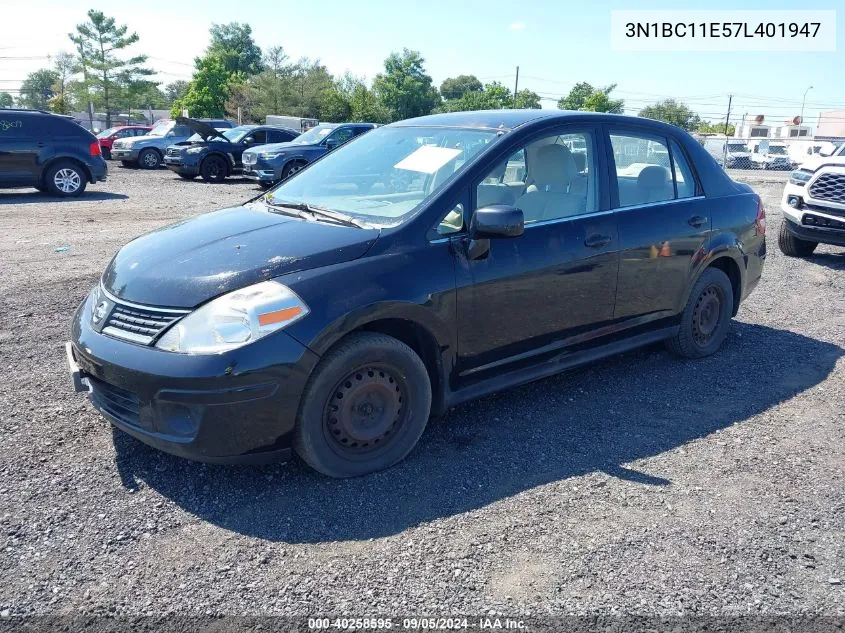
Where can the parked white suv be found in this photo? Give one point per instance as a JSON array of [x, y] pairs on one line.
[[813, 205]]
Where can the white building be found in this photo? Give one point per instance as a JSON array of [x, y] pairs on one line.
[[756, 126]]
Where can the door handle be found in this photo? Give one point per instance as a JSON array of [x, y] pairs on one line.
[[597, 241], [697, 221]]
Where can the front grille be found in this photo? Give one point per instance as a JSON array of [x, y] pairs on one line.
[[118, 403], [828, 210], [140, 325], [829, 187], [250, 159], [825, 223]]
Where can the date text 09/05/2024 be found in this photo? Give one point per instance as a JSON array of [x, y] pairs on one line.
[[721, 29], [416, 624]]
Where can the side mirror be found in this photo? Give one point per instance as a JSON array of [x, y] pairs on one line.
[[497, 220]]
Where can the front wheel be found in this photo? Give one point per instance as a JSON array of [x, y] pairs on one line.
[[213, 169], [791, 246], [291, 169], [707, 317], [65, 179], [365, 406], [149, 159]]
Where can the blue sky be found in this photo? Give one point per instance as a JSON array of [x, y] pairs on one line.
[[556, 44]]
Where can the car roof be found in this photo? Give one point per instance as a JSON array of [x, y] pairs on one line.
[[511, 119]]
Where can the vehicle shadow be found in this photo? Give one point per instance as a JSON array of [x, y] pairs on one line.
[[597, 419], [835, 261], [35, 197]]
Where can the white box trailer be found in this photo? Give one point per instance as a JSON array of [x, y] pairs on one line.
[[300, 124]]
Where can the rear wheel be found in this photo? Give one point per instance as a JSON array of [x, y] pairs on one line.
[[213, 169], [365, 406], [792, 246], [149, 159], [65, 179], [294, 167], [706, 319]]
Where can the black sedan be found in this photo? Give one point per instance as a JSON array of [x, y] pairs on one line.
[[215, 154], [432, 261]]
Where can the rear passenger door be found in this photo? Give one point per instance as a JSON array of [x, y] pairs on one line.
[[663, 221], [18, 148]]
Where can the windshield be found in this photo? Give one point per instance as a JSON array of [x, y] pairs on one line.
[[161, 128], [107, 133], [737, 147], [233, 134], [777, 149], [384, 176], [314, 135]]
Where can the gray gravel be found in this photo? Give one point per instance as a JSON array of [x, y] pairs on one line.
[[642, 484]]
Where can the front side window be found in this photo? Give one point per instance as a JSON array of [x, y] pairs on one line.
[[341, 136], [386, 175], [314, 135], [550, 178]]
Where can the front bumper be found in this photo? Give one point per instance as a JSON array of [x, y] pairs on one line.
[[235, 407], [183, 164], [264, 175], [124, 153]]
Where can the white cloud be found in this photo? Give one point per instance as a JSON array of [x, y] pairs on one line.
[[517, 26]]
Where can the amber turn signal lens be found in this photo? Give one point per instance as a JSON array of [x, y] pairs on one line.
[[279, 316]]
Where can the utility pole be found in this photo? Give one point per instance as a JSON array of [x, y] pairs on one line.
[[727, 119], [515, 87], [803, 101]]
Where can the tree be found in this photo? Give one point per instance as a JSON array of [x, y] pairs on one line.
[[585, 97], [175, 90], [66, 67], [365, 105], [6, 100], [234, 44], [718, 127], [457, 87], [37, 89], [494, 96], [97, 41], [527, 99], [673, 112], [207, 91], [404, 88]]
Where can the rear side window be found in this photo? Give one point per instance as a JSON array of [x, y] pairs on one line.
[[646, 172]]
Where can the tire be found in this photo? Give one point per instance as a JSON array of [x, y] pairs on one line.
[[292, 168], [706, 318], [65, 179], [214, 169], [387, 404], [187, 176], [149, 159], [265, 185], [106, 153], [791, 246]]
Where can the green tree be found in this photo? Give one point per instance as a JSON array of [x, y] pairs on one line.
[[584, 96], [494, 96], [66, 67], [207, 91], [37, 89], [97, 41], [6, 100], [175, 90], [717, 127], [527, 99], [457, 87], [365, 105], [404, 88], [236, 48], [673, 112]]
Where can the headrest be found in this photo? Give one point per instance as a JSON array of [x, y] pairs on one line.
[[553, 166], [653, 177], [580, 159]]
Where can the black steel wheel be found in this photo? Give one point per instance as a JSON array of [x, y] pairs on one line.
[[365, 406], [213, 169], [706, 318]]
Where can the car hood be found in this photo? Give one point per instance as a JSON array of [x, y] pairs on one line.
[[206, 131], [814, 162], [276, 147], [135, 140], [188, 263]]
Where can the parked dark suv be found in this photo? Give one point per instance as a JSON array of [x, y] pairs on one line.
[[215, 154], [268, 164], [47, 151], [429, 262]]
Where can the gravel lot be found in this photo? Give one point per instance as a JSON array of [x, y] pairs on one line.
[[642, 484]]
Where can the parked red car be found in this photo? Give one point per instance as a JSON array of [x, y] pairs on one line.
[[109, 136]]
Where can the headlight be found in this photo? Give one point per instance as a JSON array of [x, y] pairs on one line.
[[235, 319], [800, 177], [270, 155], [195, 150]]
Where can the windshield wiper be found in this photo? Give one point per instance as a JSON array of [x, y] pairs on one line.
[[315, 213]]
